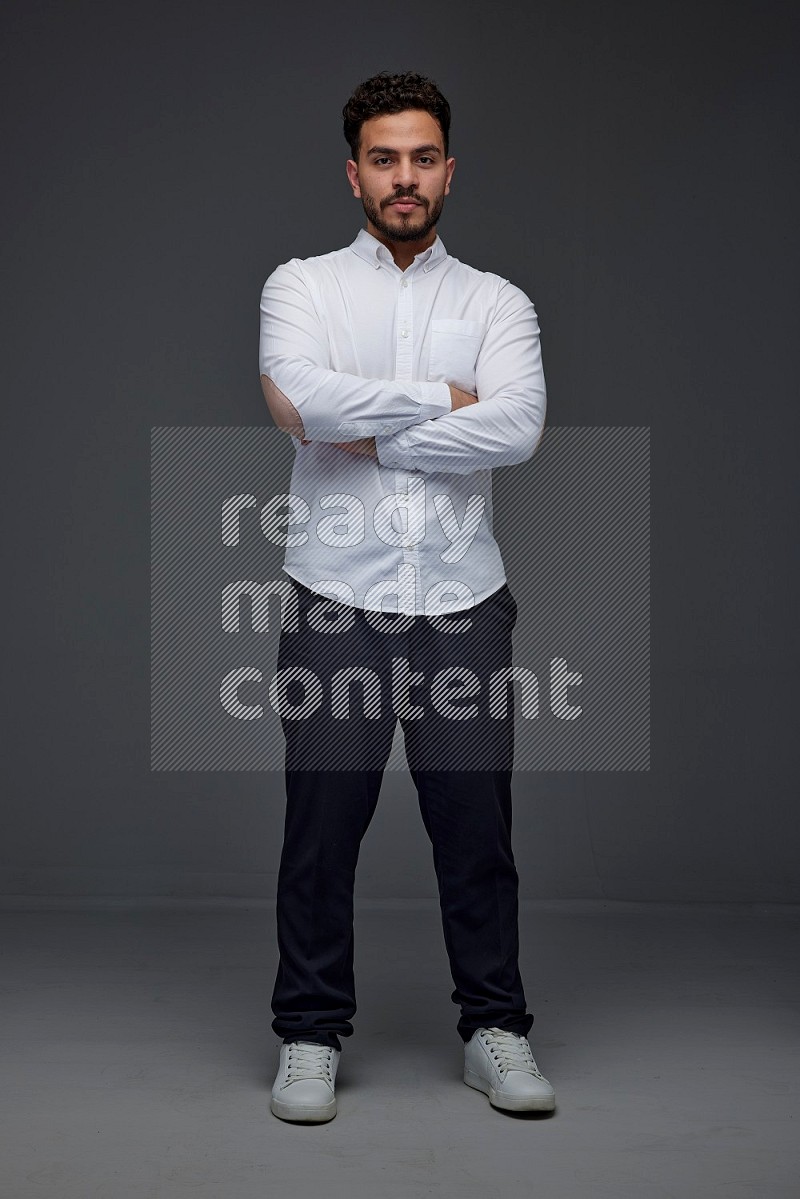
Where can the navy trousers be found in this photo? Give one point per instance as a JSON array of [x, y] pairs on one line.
[[459, 747]]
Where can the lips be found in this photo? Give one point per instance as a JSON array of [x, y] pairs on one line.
[[404, 204]]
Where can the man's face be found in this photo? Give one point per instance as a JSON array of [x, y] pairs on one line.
[[401, 157]]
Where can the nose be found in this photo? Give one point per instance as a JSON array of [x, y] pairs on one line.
[[406, 174]]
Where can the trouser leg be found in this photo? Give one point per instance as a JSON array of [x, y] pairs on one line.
[[467, 817], [333, 775], [462, 770], [327, 815]]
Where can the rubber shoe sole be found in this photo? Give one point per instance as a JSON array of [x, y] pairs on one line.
[[544, 1104], [302, 1112]]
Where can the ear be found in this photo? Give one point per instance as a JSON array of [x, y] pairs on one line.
[[451, 166], [352, 175]]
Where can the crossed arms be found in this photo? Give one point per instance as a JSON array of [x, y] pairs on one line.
[[426, 426], [287, 418]]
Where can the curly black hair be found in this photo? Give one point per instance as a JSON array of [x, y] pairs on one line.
[[385, 93]]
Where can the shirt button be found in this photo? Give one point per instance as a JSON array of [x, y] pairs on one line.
[[404, 333], [405, 283]]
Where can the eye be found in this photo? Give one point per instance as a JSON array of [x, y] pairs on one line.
[[426, 158]]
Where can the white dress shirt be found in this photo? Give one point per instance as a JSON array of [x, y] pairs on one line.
[[364, 349]]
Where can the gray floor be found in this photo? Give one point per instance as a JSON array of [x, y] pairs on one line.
[[137, 1057]]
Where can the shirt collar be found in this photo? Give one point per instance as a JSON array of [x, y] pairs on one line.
[[376, 254]]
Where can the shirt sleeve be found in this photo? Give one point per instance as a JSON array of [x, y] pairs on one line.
[[505, 426], [333, 405]]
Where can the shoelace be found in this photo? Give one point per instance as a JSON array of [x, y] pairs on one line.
[[511, 1051], [307, 1060]]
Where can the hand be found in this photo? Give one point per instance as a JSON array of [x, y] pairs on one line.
[[365, 445], [459, 398]]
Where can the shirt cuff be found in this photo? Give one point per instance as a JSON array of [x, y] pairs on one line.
[[436, 400], [393, 449]]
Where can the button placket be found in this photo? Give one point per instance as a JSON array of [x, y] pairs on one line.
[[404, 352], [404, 340], [404, 363]]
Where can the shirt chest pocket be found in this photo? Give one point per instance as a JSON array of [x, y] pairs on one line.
[[454, 348]]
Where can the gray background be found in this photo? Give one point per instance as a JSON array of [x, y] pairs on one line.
[[633, 168]]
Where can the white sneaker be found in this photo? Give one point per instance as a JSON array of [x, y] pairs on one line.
[[500, 1063], [304, 1085]]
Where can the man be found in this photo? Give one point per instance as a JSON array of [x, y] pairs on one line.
[[403, 377]]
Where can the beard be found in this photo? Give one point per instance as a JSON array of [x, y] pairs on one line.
[[404, 226]]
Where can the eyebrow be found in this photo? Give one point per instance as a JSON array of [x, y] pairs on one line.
[[392, 150]]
